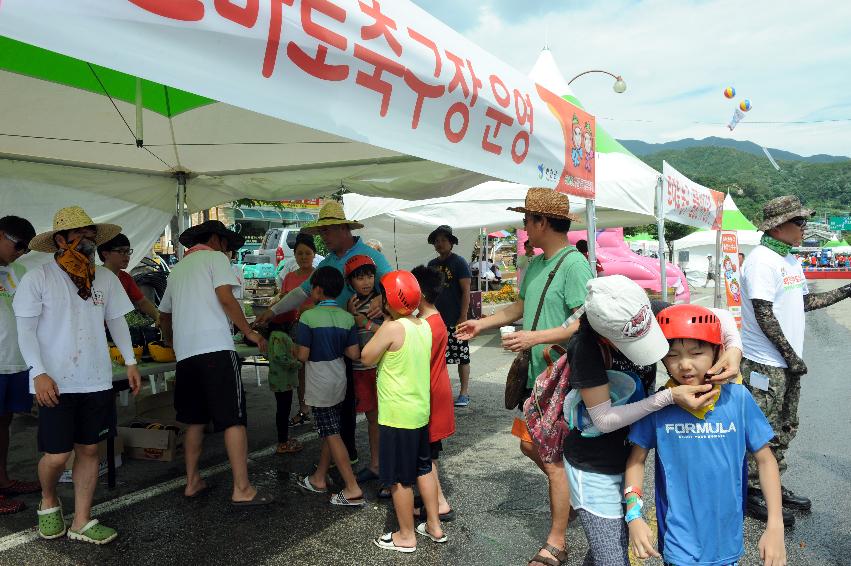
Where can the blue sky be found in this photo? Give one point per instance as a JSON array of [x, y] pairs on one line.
[[791, 59]]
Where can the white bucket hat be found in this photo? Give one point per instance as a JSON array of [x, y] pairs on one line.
[[619, 310]]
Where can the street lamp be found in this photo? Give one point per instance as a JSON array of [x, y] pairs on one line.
[[619, 86]]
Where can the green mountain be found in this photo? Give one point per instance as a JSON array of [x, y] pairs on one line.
[[641, 148], [751, 180]]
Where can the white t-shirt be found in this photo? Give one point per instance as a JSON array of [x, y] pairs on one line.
[[71, 333], [769, 277], [11, 360], [199, 322]]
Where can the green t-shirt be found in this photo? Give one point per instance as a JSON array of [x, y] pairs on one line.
[[566, 293]]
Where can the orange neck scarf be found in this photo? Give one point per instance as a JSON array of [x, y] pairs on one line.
[[78, 266]]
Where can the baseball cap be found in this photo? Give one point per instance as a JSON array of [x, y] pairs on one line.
[[619, 310]]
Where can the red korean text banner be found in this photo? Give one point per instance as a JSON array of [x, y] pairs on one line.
[[384, 73], [731, 272], [688, 203]]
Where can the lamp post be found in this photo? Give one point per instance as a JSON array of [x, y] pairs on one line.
[[619, 86], [590, 206]]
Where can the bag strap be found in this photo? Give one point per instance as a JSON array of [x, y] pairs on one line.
[[548, 357], [550, 278]]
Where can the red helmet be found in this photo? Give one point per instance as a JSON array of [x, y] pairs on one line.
[[402, 291], [357, 261], [690, 321]]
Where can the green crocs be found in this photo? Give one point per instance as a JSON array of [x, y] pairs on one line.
[[94, 533], [51, 523]]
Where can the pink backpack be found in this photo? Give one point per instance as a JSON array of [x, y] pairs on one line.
[[543, 409]]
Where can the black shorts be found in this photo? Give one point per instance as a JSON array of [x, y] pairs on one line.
[[327, 420], [208, 388], [403, 455], [79, 418], [436, 448], [457, 351]]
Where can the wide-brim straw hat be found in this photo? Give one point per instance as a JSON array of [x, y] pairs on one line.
[[191, 235], [782, 209], [547, 202], [71, 218], [331, 214]]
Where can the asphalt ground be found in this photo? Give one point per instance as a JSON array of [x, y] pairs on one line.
[[500, 497]]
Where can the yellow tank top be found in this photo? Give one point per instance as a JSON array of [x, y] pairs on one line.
[[404, 380]]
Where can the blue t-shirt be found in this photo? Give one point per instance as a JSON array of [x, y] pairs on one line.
[[327, 331], [338, 262], [701, 475]]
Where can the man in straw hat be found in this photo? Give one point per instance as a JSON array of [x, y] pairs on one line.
[[61, 307], [453, 302], [336, 232], [775, 297], [547, 220], [196, 311], [15, 236]]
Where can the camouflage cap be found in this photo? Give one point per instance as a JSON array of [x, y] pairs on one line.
[[780, 210]]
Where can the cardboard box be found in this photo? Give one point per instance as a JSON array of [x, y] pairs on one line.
[[159, 445], [66, 476]]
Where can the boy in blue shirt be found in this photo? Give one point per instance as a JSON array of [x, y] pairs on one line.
[[701, 467], [324, 335]]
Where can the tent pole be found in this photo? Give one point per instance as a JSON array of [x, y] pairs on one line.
[[181, 206], [485, 257], [591, 233], [660, 232], [717, 270]]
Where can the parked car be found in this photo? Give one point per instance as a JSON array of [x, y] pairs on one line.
[[277, 246]]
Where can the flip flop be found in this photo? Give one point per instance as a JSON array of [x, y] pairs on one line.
[[208, 487], [365, 475], [340, 499], [385, 541], [305, 483], [419, 513], [422, 529], [385, 493], [257, 501]]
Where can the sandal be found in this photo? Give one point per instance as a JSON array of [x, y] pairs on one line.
[[20, 488], [385, 493], [340, 499], [51, 523], [559, 553], [93, 532], [11, 506], [422, 529], [305, 483], [386, 541], [420, 513], [291, 446], [299, 419]]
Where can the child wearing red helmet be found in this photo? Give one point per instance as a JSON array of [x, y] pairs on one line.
[[402, 350], [701, 471], [360, 276]]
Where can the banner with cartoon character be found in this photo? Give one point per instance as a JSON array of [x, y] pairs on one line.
[[686, 202], [383, 73], [731, 273]]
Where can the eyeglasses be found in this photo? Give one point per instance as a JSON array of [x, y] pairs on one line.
[[20, 245], [799, 222], [123, 251]]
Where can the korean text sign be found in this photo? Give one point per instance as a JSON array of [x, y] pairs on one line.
[[731, 272], [382, 72], [688, 203]]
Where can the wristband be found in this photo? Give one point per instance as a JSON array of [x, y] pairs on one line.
[[633, 514], [632, 489], [632, 499]]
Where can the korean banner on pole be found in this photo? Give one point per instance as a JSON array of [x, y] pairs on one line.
[[731, 273], [384, 73], [688, 203]]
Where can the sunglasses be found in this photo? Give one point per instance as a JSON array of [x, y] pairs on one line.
[[799, 222], [20, 245]]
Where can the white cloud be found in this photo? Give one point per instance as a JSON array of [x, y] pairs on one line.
[[790, 58]]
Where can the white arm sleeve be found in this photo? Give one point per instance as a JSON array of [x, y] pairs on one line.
[[121, 337], [291, 301], [28, 343], [729, 332], [609, 419]]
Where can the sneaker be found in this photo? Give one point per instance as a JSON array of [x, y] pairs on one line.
[[51, 523], [462, 401]]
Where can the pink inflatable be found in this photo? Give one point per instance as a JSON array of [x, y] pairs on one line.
[[617, 259]]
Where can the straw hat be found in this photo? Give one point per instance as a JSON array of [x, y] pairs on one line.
[[194, 234], [70, 218], [331, 214], [547, 202], [782, 209]]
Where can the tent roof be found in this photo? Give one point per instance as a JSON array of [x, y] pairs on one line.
[[644, 236], [835, 244], [733, 219]]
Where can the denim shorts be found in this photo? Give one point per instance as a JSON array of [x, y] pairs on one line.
[[599, 494]]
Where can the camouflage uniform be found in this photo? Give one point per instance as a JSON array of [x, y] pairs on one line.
[[780, 406]]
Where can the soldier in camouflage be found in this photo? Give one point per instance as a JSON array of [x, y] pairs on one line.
[[775, 297]]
